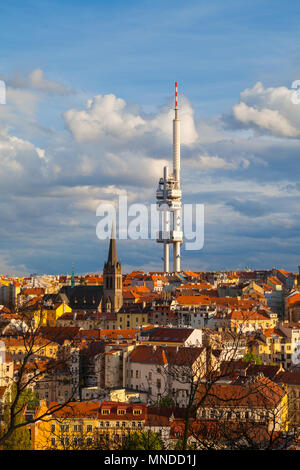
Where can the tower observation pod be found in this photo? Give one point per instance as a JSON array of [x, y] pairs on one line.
[[168, 200]]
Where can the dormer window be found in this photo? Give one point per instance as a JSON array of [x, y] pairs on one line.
[[105, 411], [121, 411], [137, 412]]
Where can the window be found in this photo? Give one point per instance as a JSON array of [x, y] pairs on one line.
[[53, 428], [150, 375], [64, 428], [89, 441], [105, 411], [137, 412], [77, 428], [121, 412], [136, 374], [53, 441], [89, 428]]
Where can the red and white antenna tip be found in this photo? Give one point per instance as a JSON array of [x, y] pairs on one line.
[[176, 96]]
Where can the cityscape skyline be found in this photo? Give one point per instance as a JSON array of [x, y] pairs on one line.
[[149, 255]]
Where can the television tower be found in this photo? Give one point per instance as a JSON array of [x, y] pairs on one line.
[[168, 197]]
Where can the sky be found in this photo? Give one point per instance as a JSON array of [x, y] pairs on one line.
[[88, 117]]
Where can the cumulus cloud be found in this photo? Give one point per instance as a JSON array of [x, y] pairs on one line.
[[268, 109], [109, 116], [20, 163], [103, 116], [268, 119]]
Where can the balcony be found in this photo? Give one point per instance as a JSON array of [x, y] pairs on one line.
[[174, 193], [160, 194]]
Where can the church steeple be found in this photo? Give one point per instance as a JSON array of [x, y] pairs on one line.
[[112, 278], [112, 253]]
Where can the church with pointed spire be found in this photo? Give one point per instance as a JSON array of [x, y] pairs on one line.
[[112, 279], [107, 298]]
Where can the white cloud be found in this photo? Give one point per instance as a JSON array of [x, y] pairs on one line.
[[108, 116], [268, 119], [20, 162], [104, 116], [269, 109]]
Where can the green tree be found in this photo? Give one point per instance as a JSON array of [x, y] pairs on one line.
[[20, 437], [250, 357], [146, 440]]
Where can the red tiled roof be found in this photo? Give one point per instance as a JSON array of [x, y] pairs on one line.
[[93, 409], [288, 378], [263, 392], [164, 355], [175, 335]]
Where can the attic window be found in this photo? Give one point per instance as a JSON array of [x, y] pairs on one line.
[[121, 411], [105, 411], [137, 412]]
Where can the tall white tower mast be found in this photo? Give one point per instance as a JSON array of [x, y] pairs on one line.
[[176, 140], [176, 172], [168, 198]]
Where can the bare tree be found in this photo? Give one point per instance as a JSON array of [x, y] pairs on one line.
[[30, 375], [251, 414]]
